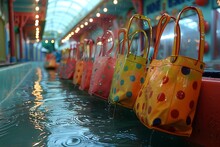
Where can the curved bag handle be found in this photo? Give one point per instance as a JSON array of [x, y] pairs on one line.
[[90, 42], [110, 35], [143, 18], [163, 21], [78, 51], [145, 47], [176, 48], [120, 31]]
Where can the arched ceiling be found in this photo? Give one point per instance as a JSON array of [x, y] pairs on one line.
[[62, 15]]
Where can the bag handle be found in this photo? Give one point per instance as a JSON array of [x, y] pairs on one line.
[[90, 42], [78, 50], [120, 31], [176, 48], [163, 21], [105, 40], [143, 18], [145, 46]]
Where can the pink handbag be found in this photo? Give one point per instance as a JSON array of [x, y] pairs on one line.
[[88, 65], [70, 65], [103, 68]]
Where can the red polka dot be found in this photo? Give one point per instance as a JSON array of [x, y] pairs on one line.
[[180, 95], [149, 109], [151, 93], [143, 106], [165, 79], [195, 84], [137, 106], [191, 104], [161, 97], [174, 113], [142, 119]]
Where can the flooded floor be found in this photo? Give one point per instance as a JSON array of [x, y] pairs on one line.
[[46, 111]]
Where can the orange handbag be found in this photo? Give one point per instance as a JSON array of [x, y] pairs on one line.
[[168, 98], [88, 65], [103, 67], [79, 64], [130, 69]]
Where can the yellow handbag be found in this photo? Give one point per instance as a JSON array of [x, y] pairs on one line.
[[129, 71], [168, 98]]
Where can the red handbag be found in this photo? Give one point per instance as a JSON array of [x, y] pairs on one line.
[[79, 65], [70, 65], [103, 67], [88, 65]]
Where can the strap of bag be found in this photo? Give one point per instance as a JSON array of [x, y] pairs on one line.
[[90, 42], [176, 48], [164, 20], [106, 36], [123, 41], [143, 18]]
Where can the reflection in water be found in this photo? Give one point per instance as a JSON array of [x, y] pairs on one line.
[[36, 115], [56, 114]]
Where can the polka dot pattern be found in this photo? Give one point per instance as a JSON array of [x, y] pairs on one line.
[[185, 70], [174, 113], [122, 82], [161, 97], [180, 95], [138, 66], [157, 122], [132, 78], [129, 94]]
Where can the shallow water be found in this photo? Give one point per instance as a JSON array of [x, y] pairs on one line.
[[47, 111]]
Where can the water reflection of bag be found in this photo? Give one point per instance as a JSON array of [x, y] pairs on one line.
[[168, 98], [79, 65], [103, 67], [130, 70], [88, 65]]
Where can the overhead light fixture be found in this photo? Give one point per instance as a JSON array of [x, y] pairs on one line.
[[37, 8], [52, 41], [98, 14], [115, 2], [90, 20], [37, 0], [46, 41], [81, 26], [105, 9], [72, 33], [36, 16], [86, 23]]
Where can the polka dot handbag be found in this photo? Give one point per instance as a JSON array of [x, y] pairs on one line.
[[88, 65], [130, 70], [103, 68], [79, 65], [168, 98]]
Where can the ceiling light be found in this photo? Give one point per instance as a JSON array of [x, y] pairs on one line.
[[37, 8], [37, 40], [46, 41], [115, 2], [72, 33], [36, 16], [81, 26], [98, 14], [86, 23], [37, 0], [105, 9], [52, 41], [37, 29], [90, 20]]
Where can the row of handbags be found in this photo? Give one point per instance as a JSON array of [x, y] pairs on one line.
[[163, 93]]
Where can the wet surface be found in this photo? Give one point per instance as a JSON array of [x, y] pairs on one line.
[[47, 111]]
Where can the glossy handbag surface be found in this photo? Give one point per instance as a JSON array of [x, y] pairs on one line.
[[88, 65], [103, 67], [79, 65], [70, 65], [168, 98], [130, 70]]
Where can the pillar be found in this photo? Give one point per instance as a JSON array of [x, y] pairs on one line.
[[11, 30]]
